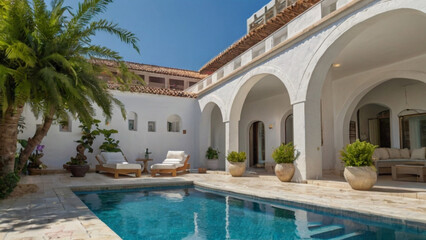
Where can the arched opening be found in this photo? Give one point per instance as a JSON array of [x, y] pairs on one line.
[[287, 131], [355, 60], [174, 123], [132, 121], [257, 145], [212, 134], [259, 106]]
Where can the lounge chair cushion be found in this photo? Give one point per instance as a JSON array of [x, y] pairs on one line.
[[123, 166], [176, 155], [166, 166], [113, 157], [172, 160], [418, 153]]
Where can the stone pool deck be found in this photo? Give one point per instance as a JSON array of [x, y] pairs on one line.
[[54, 212]]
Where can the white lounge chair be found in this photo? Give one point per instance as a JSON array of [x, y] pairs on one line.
[[176, 161], [116, 163]]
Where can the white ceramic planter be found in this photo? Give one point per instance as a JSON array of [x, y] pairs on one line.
[[212, 164], [360, 178], [236, 169], [284, 171]]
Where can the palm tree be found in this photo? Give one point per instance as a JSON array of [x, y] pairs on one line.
[[45, 63]]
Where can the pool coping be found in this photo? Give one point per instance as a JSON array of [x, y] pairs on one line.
[[349, 212]]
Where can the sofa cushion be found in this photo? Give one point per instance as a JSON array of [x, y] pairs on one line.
[[394, 153], [384, 154], [405, 153], [166, 166], [418, 153], [113, 157], [176, 155]]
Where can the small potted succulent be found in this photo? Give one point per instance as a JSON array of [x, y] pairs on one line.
[[35, 166], [359, 172], [284, 156], [236, 163], [212, 156]]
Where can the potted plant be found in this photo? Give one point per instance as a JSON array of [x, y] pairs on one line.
[[110, 144], [35, 166], [359, 172], [87, 138], [212, 156], [78, 164], [236, 163], [284, 156]]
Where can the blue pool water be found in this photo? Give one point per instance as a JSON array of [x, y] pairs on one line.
[[193, 213]]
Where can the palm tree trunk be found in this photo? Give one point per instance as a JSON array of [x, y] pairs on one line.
[[35, 140], [8, 138]]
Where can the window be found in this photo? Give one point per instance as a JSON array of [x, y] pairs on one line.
[[413, 131], [289, 129], [173, 123], [132, 121], [176, 84], [65, 125], [157, 82], [151, 126]]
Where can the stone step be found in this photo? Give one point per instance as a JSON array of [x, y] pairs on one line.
[[327, 231], [348, 236]]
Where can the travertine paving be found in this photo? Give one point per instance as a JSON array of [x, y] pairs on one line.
[[54, 212]]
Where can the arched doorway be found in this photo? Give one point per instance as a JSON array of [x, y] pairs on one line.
[[257, 145], [373, 124], [287, 133]]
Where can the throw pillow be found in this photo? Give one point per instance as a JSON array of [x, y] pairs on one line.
[[394, 153], [418, 153], [384, 154], [405, 153], [376, 154]]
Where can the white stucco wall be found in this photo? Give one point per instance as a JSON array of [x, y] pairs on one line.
[[60, 146]]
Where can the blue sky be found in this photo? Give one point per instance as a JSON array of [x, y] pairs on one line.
[[178, 33]]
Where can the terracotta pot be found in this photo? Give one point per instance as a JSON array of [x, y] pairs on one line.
[[284, 171], [237, 169], [79, 170], [360, 178], [212, 164]]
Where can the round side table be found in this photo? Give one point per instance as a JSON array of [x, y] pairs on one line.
[[145, 163]]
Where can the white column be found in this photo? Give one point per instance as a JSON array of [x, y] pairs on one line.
[[231, 138], [307, 139], [394, 130]]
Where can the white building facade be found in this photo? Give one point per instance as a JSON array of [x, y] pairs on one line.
[[341, 70]]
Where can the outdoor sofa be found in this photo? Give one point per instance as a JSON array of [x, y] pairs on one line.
[[385, 158]]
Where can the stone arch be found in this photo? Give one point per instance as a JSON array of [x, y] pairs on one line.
[[209, 102], [245, 84], [316, 71], [352, 101]]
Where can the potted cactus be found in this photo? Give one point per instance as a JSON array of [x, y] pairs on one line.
[[236, 163], [284, 156], [359, 172]]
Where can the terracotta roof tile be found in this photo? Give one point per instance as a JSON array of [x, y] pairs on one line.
[[153, 69], [257, 35], [151, 90]]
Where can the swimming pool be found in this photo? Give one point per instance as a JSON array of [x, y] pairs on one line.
[[196, 213]]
